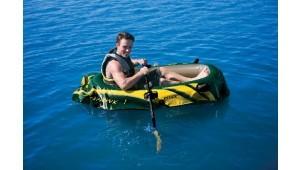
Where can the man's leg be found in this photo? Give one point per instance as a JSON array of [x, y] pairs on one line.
[[169, 75], [175, 77], [164, 82]]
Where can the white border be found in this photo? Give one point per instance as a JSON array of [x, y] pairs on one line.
[[11, 75], [288, 96]]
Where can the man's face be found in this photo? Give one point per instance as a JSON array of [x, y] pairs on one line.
[[124, 47]]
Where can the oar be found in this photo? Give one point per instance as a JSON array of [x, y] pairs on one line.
[[150, 96]]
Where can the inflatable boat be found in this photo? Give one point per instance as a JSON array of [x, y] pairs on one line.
[[212, 88]]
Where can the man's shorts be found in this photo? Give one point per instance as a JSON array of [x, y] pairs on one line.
[[153, 77]]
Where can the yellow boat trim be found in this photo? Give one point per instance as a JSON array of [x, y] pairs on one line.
[[208, 93], [170, 98], [188, 91]]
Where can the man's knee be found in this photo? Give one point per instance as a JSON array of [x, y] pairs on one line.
[[164, 72]]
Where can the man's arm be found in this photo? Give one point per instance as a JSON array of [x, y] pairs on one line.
[[119, 77]]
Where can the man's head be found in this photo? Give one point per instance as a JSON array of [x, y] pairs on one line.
[[124, 43]]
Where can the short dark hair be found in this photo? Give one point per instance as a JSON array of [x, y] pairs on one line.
[[124, 35]]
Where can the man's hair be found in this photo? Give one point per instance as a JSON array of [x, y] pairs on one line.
[[124, 35]]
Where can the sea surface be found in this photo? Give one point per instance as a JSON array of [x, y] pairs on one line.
[[64, 40]]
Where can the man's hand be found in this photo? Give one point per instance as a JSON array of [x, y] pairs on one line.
[[139, 61], [143, 61], [144, 70]]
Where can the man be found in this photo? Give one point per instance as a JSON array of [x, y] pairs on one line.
[[118, 67]]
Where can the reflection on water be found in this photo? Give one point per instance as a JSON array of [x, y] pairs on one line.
[[164, 114], [131, 129]]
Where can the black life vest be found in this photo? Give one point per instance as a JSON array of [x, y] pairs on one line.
[[125, 62]]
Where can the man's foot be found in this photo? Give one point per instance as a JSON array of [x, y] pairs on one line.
[[202, 74]]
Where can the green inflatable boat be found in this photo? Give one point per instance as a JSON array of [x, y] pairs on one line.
[[212, 88]]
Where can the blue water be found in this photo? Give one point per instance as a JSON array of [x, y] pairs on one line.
[[63, 40]]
